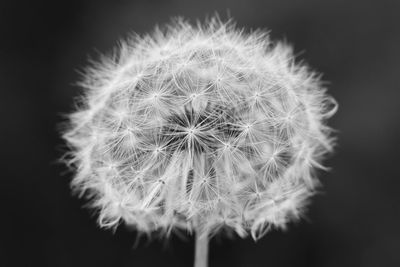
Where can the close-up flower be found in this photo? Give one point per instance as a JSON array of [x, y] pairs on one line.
[[199, 133], [198, 128]]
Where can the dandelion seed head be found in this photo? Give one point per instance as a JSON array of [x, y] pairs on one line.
[[199, 128]]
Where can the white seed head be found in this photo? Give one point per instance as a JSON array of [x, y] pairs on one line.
[[199, 127]]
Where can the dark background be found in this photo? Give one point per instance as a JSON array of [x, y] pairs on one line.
[[354, 43]]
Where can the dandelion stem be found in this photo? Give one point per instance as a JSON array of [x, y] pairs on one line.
[[201, 250]]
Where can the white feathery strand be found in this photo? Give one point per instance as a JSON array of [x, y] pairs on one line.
[[205, 121]]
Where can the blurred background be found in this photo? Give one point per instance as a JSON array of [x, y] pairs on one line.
[[355, 222]]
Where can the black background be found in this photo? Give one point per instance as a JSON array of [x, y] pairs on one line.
[[354, 43]]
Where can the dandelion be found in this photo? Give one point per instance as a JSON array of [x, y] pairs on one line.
[[199, 128]]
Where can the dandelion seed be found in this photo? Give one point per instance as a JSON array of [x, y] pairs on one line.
[[200, 128]]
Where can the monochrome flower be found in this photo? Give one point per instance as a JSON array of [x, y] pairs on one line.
[[198, 128]]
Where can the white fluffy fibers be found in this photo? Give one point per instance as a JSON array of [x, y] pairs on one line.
[[198, 127]]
